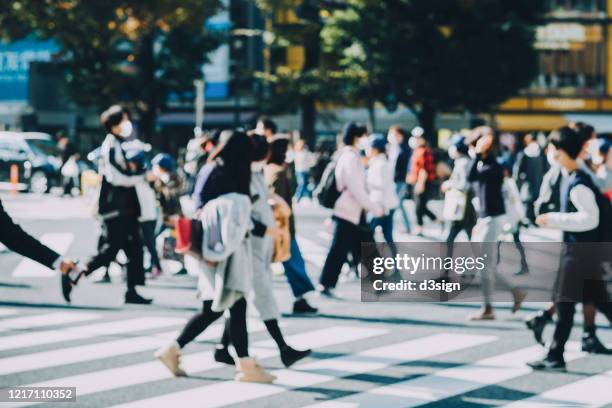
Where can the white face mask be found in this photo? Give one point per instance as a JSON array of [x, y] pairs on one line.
[[412, 142], [126, 128], [258, 166], [597, 159]]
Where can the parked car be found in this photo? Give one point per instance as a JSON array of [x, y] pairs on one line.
[[35, 156]]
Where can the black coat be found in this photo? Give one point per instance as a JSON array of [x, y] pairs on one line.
[[17, 240]]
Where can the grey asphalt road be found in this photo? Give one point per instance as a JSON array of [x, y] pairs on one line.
[[364, 354]]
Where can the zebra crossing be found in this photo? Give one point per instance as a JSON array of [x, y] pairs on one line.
[[106, 356]]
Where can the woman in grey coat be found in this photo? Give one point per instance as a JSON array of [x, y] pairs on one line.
[[263, 248]]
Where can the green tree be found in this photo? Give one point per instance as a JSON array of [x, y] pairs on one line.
[[134, 51], [436, 55], [300, 88]]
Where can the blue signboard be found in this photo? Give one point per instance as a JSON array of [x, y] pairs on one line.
[[216, 71], [15, 59]]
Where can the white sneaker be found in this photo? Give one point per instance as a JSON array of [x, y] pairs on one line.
[[170, 355]]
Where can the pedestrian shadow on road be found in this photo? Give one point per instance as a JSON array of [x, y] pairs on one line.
[[397, 320], [57, 306], [11, 285]]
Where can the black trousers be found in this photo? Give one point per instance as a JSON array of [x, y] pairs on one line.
[[122, 233], [420, 202], [347, 238], [236, 324], [563, 329]]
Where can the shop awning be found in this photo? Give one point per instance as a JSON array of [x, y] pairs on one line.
[[527, 123]]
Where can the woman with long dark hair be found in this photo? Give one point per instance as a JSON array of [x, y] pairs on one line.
[[228, 172]]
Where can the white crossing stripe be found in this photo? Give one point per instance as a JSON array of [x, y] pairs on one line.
[[232, 392], [197, 362], [47, 319], [588, 393], [7, 312], [38, 338], [449, 382], [312, 251], [59, 242], [78, 354]]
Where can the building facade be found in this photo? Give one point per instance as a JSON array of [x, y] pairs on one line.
[[574, 46]]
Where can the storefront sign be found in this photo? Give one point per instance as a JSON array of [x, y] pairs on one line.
[[15, 59]]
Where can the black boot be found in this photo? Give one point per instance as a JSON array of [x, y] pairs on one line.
[[222, 355], [302, 306], [66, 287], [290, 356], [549, 363], [132, 297], [592, 344], [537, 324]]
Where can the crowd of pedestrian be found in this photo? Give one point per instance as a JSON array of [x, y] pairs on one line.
[[227, 213]]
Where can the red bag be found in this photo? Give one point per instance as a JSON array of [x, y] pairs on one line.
[[183, 235]]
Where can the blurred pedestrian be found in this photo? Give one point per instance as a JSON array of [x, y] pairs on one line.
[[458, 208], [580, 277], [381, 187], [303, 160], [118, 205], [149, 213], [68, 156], [399, 158], [488, 175], [351, 228], [422, 177], [529, 169], [279, 182]]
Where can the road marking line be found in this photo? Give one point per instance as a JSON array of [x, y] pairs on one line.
[[8, 312], [59, 242], [47, 319], [38, 338], [588, 393], [121, 377], [231, 392], [449, 382]]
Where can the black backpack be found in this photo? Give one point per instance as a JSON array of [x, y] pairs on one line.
[[604, 205], [327, 192]]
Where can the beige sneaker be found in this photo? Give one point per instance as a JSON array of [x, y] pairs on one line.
[[170, 355], [250, 371], [483, 314]]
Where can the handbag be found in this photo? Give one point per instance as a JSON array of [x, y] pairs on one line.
[[455, 202], [282, 212]]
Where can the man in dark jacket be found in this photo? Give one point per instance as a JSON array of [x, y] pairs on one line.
[[19, 241]]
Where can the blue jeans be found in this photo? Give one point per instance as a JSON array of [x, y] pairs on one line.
[[295, 270], [386, 223], [302, 185], [400, 188]]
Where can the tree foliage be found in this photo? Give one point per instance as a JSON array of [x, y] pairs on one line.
[[137, 51], [436, 55]]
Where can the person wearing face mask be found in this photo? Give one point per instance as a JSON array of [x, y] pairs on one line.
[[488, 176], [349, 209], [421, 177], [458, 188], [528, 172], [118, 206], [168, 185]]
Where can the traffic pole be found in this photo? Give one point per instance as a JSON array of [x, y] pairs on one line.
[[14, 178]]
